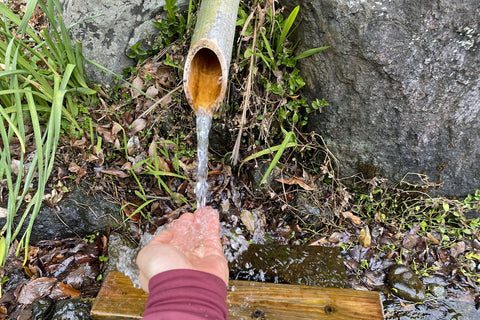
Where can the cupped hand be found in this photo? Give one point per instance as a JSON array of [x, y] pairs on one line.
[[190, 242]]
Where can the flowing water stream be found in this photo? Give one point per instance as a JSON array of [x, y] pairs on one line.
[[204, 122]]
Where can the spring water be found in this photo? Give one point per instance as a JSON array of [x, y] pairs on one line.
[[204, 122]]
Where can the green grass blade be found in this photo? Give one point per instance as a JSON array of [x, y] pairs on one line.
[[12, 72], [279, 153], [10, 16], [287, 25], [59, 58], [13, 127], [267, 46], [265, 152], [31, 5], [310, 52], [52, 136]]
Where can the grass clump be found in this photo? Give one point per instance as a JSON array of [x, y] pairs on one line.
[[42, 81]]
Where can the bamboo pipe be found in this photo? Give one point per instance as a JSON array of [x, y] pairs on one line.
[[206, 68]]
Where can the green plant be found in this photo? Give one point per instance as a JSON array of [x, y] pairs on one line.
[[279, 150], [174, 26], [281, 78], [39, 80]]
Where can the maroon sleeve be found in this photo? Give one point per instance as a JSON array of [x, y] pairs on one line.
[[186, 294]]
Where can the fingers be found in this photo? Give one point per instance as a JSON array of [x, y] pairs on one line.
[[186, 217], [163, 237], [206, 214]]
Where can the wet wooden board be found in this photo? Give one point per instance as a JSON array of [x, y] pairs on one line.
[[118, 299]]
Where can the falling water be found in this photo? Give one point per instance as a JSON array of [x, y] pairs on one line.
[[204, 122]]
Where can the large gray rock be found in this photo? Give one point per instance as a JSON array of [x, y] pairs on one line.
[[403, 83], [80, 213], [107, 38]]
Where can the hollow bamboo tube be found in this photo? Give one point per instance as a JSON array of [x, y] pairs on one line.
[[206, 68]]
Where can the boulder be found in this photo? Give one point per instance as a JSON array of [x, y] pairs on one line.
[[80, 213], [109, 28], [402, 83]]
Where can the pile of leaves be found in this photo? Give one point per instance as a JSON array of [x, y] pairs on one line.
[[56, 270]]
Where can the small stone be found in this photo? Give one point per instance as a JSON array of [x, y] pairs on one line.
[[405, 284], [73, 309], [41, 308], [476, 244], [437, 290]]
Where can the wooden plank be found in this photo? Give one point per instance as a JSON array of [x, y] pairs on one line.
[[118, 299], [257, 300]]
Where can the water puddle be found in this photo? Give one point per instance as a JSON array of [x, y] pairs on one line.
[[300, 265]]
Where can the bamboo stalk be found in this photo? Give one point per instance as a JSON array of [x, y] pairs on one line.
[[208, 60]]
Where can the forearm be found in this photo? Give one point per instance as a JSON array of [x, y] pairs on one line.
[[186, 294]]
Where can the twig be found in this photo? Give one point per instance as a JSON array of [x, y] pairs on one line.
[[163, 99], [246, 99]]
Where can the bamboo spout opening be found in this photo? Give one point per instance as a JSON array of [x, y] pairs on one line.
[[204, 84]]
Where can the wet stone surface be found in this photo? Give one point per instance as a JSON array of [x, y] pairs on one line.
[[73, 309], [41, 308], [80, 213], [431, 310], [437, 290], [405, 284], [302, 265]]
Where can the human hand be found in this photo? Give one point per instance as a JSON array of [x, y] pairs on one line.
[[190, 242]]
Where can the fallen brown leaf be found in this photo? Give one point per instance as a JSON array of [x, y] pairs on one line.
[[106, 133], [318, 242], [410, 241], [91, 157], [137, 85], [137, 126], [79, 143], [292, 181], [68, 290], [116, 128], [248, 220], [152, 91], [73, 167], [81, 173], [117, 173], [365, 238], [129, 211], [353, 218], [34, 289], [457, 249], [432, 238]]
